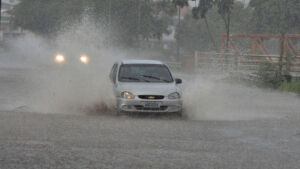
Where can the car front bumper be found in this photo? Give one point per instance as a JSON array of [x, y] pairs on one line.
[[140, 105]]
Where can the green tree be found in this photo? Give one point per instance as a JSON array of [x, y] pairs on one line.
[[44, 16], [276, 16], [130, 20], [202, 9], [166, 7], [224, 9], [179, 4], [193, 33]]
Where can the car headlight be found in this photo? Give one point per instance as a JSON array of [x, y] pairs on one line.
[[127, 95], [59, 58], [174, 95], [84, 59]]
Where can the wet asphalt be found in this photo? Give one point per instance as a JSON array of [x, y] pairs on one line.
[[37, 140]]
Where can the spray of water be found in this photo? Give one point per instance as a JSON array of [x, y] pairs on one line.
[[71, 86], [74, 87], [215, 99]]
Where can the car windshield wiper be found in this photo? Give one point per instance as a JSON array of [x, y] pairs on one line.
[[133, 78], [156, 78]]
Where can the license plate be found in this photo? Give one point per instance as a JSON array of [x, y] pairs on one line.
[[151, 104]]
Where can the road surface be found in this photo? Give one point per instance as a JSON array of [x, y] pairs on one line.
[[32, 139]]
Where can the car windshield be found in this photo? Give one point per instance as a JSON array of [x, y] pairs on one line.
[[154, 73]]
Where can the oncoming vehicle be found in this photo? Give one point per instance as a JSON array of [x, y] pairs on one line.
[[62, 59], [145, 86]]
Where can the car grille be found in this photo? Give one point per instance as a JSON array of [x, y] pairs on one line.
[[151, 97], [161, 108]]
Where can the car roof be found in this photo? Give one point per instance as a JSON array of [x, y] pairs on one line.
[[141, 62]]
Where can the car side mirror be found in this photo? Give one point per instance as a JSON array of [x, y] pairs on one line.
[[178, 81]]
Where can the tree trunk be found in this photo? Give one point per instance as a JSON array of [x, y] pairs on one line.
[[281, 55], [226, 20], [228, 32], [210, 34], [178, 40], [138, 30], [0, 13], [282, 44]]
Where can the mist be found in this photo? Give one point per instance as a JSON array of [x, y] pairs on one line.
[[211, 98], [77, 88], [69, 87]]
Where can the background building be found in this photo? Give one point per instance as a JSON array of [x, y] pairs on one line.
[[6, 29]]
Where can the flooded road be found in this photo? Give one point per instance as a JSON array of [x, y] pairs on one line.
[[241, 128]]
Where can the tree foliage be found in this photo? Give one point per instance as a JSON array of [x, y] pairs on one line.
[[202, 8], [275, 16], [224, 7], [45, 16], [130, 20], [194, 34], [181, 3], [135, 20]]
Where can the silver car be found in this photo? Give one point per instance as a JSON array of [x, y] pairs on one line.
[[145, 86]]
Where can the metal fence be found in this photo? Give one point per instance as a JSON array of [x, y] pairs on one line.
[[212, 61]]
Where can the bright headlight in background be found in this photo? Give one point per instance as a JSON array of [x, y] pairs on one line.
[[59, 58], [84, 59]]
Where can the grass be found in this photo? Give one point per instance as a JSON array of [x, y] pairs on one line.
[[293, 86]]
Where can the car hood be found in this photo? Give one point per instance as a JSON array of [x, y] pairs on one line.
[[149, 88]]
